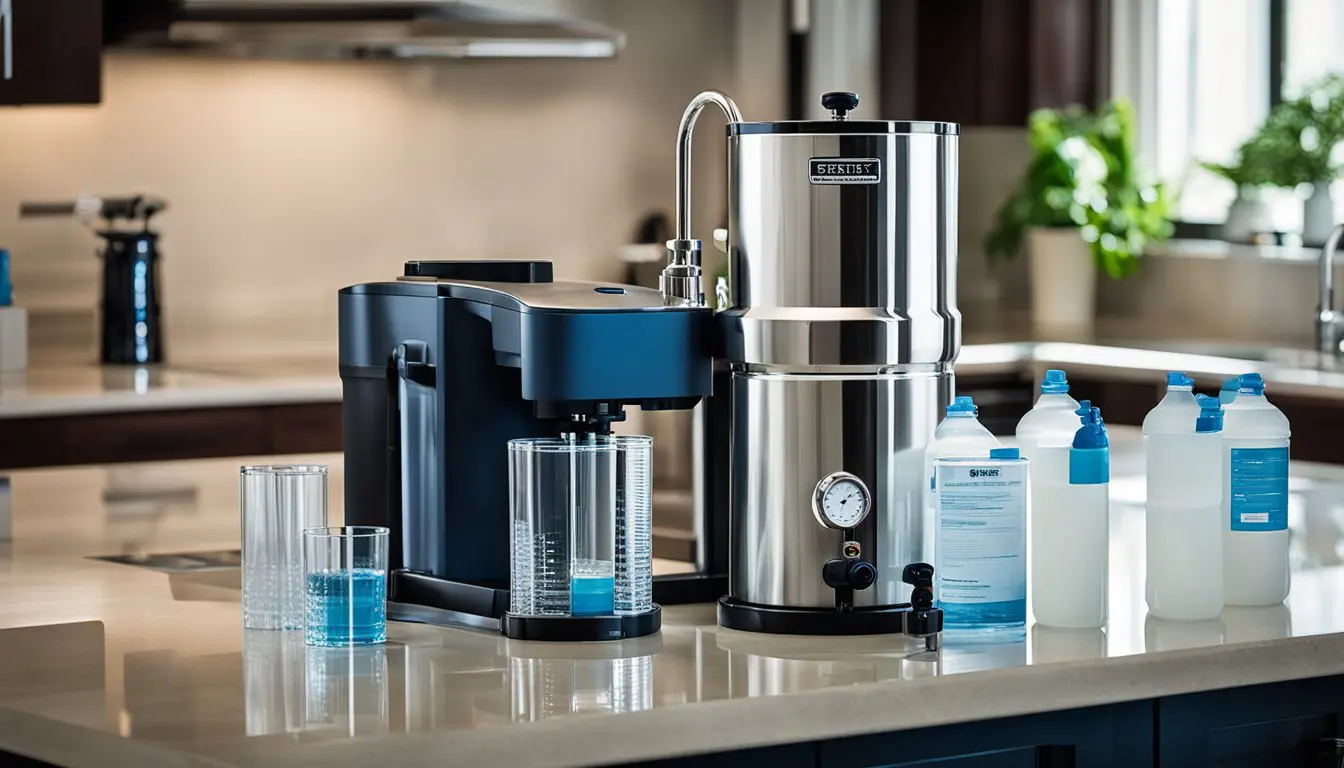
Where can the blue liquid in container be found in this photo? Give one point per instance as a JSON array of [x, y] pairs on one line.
[[346, 607], [592, 595]]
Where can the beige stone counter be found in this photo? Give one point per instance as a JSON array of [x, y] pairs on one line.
[[110, 664]]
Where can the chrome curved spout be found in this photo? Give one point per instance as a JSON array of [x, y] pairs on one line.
[[1329, 322], [680, 281]]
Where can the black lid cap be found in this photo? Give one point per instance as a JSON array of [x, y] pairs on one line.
[[840, 103]]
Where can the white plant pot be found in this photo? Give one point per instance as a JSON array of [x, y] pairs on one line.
[[1063, 283], [1318, 215], [1247, 217]]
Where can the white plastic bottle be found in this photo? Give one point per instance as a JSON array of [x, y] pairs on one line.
[[1045, 435], [1051, 423], [960, 435], [1255, 504], [1185, 517], [1175, 414], [1071, 529]]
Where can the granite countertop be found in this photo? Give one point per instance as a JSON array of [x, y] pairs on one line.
[[1291, 371], [109, 663], [72, 390]]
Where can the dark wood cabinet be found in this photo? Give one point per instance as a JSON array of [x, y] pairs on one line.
[[51, 52], [1279, 724], [1116, 735], [987, 62], [1291, 723], [111, 438]]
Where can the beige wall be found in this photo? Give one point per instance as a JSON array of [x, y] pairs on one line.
[[289, 180], [992, 160]]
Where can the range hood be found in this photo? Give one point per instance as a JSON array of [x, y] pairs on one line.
[[364, 29]]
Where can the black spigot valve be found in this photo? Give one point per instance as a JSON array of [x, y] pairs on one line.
[[840, 103], [852, 574], [919, 576]]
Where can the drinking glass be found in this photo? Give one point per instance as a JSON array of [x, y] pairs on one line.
[[346, 577], [277, 503]]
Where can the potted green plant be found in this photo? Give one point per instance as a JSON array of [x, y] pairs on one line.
[[1082, 204], [1299, 141]]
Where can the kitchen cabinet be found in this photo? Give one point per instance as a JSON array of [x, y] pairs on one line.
[[1278, 724], [1115, 735], [51, 52], [1291, 723], [165, 435], [987, 62]]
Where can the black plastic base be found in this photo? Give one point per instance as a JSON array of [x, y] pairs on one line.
[[456, 602], [688, 588], [578, 629], [413, 588], [892, 619]]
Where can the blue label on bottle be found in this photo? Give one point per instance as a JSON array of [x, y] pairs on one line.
[[1259, 484]]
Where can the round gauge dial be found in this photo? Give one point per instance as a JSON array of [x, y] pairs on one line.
[[841, 501]]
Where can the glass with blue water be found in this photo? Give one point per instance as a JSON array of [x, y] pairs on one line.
[[581, 511], [345, 572]]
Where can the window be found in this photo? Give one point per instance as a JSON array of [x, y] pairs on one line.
[[1205, 73]]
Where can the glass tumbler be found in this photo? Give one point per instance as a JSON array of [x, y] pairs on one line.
[[277, 503], [346, 577]]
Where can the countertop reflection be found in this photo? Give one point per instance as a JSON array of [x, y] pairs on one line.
[[152, 661]]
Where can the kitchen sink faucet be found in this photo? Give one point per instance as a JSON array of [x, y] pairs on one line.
[[1329, 321]]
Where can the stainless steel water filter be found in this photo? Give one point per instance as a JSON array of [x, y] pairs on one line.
[[840, 341]]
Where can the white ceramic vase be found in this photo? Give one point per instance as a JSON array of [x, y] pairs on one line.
[[1063, 283], [1247, 216], [1318, 215]]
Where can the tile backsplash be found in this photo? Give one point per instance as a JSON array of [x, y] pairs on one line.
[[287, 181]]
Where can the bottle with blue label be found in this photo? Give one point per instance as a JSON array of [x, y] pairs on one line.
[[1070, 533], [1255, 506], [981, 545]]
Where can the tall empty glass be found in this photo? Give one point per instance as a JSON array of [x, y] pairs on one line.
[[346, 572], [277, 503], [634, 524], [582, 531]]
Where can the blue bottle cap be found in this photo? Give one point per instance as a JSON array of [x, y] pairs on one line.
[[6, 287], [1210, 414], [1090, 457], [1251, 384], [1179, 379], [963, 405], [1229, 391], [1093, 432], [1054, 383], [1004, 453]]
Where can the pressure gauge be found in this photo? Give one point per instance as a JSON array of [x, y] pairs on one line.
[[841, 501]]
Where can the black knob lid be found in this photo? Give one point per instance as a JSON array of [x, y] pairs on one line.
[[840, 103], [918, 575]]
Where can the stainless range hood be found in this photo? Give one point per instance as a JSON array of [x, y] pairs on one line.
[[371, 29]]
